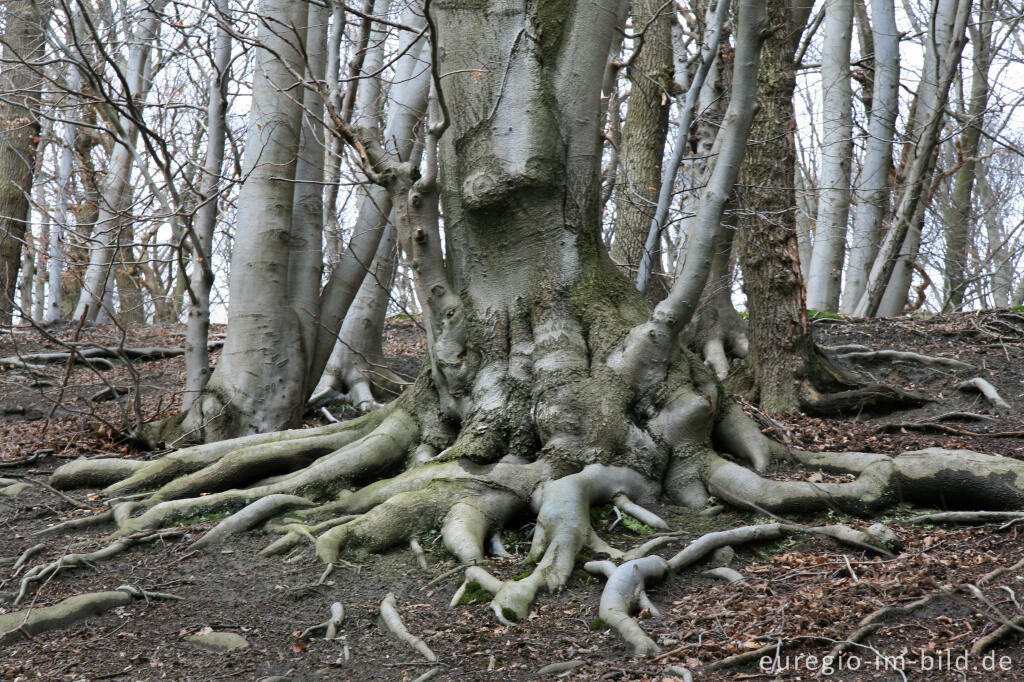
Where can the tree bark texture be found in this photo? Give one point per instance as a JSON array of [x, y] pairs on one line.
[[23, 44], [643, 134], [780, 342]]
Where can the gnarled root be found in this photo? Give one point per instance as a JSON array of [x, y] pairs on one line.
[[958, 478], [471, 500], [188, 460], [625, 593], [93, 473], [563, 529], [380, 450]]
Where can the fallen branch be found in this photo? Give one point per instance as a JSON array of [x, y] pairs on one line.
[[91, 352], [931, 426], [64, 496]]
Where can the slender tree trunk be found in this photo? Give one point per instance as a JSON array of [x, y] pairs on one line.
[[305, 265], [356, 364], [643, 133], [61, 212], [836, 158], [958, 221], [999, 251], [23, 43], [131, 310], [873, 190], [941, 61], [115, 192], [197, 356], [332, 160], [806, 217]]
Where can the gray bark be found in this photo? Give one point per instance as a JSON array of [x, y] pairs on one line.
[[355, 366], [61, 214], [709, 51], [260, 377], [941, 61], [836, 157], [197, 355], [959, 218], [115, 192], [873, 192], [23, 44], [305, 265]]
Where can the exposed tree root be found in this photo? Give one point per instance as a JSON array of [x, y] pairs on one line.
[[902, 356], [47, 571], [559, 419], [93, 473], [329, 626], [27, 623], [624, 593], [966, 517], [932, 476], [986, 389], [729, 575], [389, 614], [243, 520]]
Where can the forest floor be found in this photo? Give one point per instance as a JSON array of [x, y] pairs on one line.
[[802, 593]]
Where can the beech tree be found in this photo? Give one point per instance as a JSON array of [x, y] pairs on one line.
[[549, 385]]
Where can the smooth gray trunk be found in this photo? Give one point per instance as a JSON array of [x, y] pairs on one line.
[[836, 156], [197, 356], [61, 214], [355, 366], [873, 191], [941, 61]]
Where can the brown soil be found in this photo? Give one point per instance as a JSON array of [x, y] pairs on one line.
[[801, 593]]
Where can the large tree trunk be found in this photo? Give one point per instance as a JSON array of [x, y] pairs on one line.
[[550, 385], [780, 342], [20, 83], [278, 321], [260, 378]]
